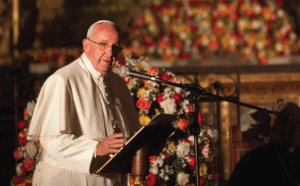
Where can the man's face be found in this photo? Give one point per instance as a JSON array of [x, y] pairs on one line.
[[102, 60]]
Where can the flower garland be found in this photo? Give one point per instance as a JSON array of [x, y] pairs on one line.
[[175, 165], [26, 155], [185, 29], [60, 56]]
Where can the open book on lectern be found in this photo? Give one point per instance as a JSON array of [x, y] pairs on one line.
[[155, 133]]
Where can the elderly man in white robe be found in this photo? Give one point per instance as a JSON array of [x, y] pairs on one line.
[[84, 113]]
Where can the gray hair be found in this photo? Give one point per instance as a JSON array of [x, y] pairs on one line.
[[91, 28], [280, 106]]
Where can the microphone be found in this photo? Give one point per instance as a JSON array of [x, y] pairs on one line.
[[125, 72]]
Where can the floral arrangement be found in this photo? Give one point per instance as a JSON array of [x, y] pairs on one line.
[[26, 155], [60, 56], [175, 165], [185, 29]]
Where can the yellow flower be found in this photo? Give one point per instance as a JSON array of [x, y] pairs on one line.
[[141, 93], [172, 146], [149, 18], [140, 66], [144, 119], [202, 169]]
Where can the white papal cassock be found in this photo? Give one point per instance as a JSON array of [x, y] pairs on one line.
[[76, 108]]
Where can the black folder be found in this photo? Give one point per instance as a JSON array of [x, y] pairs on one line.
[[155, 133]]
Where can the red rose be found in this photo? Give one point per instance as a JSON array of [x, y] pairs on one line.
[[168, 5], [154, 7], [22, 134], [182, 124], [178, 3], [162, 34], [178, 98], [43, 58], [153, 71], [191, 162], [25, 111], [121, 62], [23, 169], [22, 124], [176, 15], [186, 140], [202, 181], [18, 154], [38, 143], [151, 179], [160, 98], [174, 79], [167, 157], [126, 80], [172, 35], [29, 164], [200, 119], [18, 179], [193, 28], [165, 77], [143, 104], [214, 176], [152, 159], [263, 60], [131, 181], [183, 55], [190, 107], [178, 44], [166, 57], [22, 141], [279, 3]]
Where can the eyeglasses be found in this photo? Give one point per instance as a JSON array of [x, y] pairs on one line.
[[103, 46]]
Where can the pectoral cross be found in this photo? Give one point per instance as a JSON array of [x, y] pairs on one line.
[[116, 128]]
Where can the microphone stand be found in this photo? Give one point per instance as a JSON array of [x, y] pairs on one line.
[[195, 91]]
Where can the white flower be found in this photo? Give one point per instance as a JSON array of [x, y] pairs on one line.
[[278, 47], [151, 49], [166, 177], [166, 18], [159, 161], [169, 105], [256, 8], [31, 149], [152, 28], [259, 45], [182, 178], [178, 90], [154, 170], [136, 43], [18, 169], [182, 36], [256, 24], [183, 149], [214, 135], [162, 173], [191, 138], [280, 13], [30, 107]]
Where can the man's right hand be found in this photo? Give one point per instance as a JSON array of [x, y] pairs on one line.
[[113, 141]]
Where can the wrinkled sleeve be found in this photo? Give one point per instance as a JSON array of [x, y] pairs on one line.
[[54, 113], [75, 152]]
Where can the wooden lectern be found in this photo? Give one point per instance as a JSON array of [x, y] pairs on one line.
[[134, 156]]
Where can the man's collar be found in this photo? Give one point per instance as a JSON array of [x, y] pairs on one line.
[[90, 67]]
